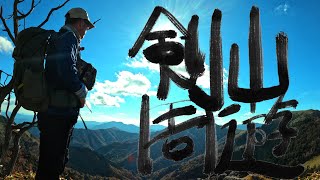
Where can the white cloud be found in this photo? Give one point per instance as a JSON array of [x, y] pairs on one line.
[[99, 98], [282, 8], [5, 104], [246, 116], [200, 112], [5, 45], [127, 84], [203, 81], [12, 106], [141, 62], [181, 69], [152, 93]]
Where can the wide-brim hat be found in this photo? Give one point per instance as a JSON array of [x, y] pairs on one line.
[[81, 14]]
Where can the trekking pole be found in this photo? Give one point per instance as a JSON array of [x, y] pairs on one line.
[[83, 122], [88, 107]]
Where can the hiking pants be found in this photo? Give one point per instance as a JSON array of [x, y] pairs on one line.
[[55, 134]]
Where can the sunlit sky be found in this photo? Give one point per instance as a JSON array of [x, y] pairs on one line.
[[121, 80]]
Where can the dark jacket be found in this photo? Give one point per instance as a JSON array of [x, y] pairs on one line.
[[62, 74]]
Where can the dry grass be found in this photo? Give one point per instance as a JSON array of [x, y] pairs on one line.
[[311, 176], [18, 175], [31, 176], [255, 177], [25, 176]]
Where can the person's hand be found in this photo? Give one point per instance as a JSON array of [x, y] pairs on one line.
[[82, 102]]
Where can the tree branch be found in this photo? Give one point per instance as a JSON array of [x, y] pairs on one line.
[[5, 90], [25, 125], [14, 113], [15, 17], [34, 117], [6, 26], [51, 11], [19, 13], [21, 125], [29, 12], [16, 147], [8, 105], [24, 129], [14, 154], [8, 133], [9, 17]]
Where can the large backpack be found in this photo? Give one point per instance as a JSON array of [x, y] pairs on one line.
[[30, 85]]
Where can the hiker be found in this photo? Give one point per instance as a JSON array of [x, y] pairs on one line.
[[67, 94]]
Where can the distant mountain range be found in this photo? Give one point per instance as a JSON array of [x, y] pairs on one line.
[[113, 124], [93, 125], [301, 149], [133, 128], [95, 139], [113, 152]]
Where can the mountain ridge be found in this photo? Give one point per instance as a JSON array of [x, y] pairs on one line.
[[119, 148]]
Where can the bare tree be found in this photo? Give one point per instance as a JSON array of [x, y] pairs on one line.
[[13, 132]]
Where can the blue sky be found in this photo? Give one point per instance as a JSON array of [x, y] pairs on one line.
[[121, 81]]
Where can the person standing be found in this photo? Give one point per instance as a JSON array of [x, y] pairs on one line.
[[67, 94]]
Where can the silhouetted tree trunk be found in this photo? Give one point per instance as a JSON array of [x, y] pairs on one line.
[[14, 132]]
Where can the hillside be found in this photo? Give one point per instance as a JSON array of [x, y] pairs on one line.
[[307, 123], [159, 162], [28, 156], [95, 139], [81, 163], [113, 153], [87, 161], [303, 148]]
